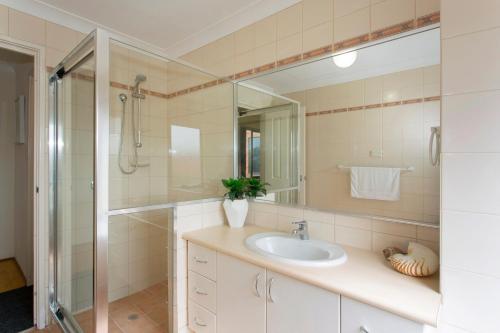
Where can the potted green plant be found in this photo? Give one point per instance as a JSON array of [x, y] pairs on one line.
[[236, 203]]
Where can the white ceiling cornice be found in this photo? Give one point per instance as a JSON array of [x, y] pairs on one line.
[[252, 13]]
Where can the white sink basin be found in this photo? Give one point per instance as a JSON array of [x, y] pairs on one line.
[[284, 248]]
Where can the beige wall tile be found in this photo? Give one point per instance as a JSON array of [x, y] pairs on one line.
[[323, 231], [396, 229], [472, 52], [426, 7], [289, 46], [289, 21], [470, 300], [353, 222], [391, 12], [244, 39], [53, 57], [344, 7], [353, 237], [428, 234], [317, 37], [474, 113], [4, 20], [352, 25], [485, 16], [265, 54], [61, 38], [318, 216], [266, 219], [382, 241], [265, 31], [244, 61], [26, 27], [461, 187], [316, 12]]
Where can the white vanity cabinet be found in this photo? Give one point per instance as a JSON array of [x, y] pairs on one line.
[[241, 296], [361, 318], [297, 307], [228, 295]]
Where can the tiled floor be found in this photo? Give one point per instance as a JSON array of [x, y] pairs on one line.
[[144, 312]]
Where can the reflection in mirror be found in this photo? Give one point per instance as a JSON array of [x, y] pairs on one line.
[[371, 133], [268, 142]]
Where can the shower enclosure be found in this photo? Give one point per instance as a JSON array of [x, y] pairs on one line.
[[131, 135]]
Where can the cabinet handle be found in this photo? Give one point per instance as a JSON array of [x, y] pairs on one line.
[[256, 286], [199, 323], [200, 261], [199, 292], [363, 329], [269, 290]]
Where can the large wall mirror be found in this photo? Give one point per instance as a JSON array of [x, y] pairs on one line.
[[320, 131]]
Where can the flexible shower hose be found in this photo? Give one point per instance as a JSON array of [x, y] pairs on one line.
[[135, 163]]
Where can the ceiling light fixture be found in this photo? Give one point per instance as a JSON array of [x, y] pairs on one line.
[[346, 59]]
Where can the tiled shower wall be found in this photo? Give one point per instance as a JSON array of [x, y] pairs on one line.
[[138, 252], [148, 185], [187, 133], [352, 123]]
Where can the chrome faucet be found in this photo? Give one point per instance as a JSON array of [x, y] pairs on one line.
[[301, 231]]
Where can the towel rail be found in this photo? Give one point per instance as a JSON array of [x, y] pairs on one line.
[[406, 169]]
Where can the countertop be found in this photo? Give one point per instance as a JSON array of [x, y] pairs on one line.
[[365, 277]]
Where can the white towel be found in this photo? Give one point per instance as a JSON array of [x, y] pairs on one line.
[[375, 183]]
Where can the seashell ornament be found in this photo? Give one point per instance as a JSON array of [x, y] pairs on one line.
[[420, 261]]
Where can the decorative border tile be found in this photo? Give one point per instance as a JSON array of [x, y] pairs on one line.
[[317, 52], [375, 106], [290, 60], [352, 42]]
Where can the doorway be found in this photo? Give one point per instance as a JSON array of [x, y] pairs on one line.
[[17, 100]]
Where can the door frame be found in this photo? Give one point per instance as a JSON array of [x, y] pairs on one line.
[[38, 168]]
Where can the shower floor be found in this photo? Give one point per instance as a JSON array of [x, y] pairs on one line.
[[144, 312]]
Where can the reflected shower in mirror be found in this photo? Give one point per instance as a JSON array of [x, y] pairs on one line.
[[369, 144]]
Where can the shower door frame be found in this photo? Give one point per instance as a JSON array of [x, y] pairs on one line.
[[86, 48]]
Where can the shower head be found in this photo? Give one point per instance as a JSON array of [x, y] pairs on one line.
[[140, 78]]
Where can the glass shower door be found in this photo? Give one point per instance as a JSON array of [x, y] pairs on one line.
[[72, 218]]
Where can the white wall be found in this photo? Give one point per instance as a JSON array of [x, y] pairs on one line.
[[16, 222], [7, 136], [470, 273], [23, 210]]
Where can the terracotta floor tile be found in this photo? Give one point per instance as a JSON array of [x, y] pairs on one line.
[[159, 313], [143, 312]]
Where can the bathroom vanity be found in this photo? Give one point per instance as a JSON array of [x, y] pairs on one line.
[[233, 289]]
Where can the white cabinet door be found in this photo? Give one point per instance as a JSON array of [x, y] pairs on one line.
[[296, 307], [241, 296], [358, 317]]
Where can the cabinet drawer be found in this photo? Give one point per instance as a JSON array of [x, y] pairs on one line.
[[202, 291], [357, 316], [200, 320], [202, 261]]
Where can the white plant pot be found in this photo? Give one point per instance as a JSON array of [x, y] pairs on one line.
[[236, 212]]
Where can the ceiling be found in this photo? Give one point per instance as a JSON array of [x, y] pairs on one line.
[[178, 26], [415, 51]]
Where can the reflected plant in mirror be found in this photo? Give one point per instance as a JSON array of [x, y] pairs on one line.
[[355, 132]]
